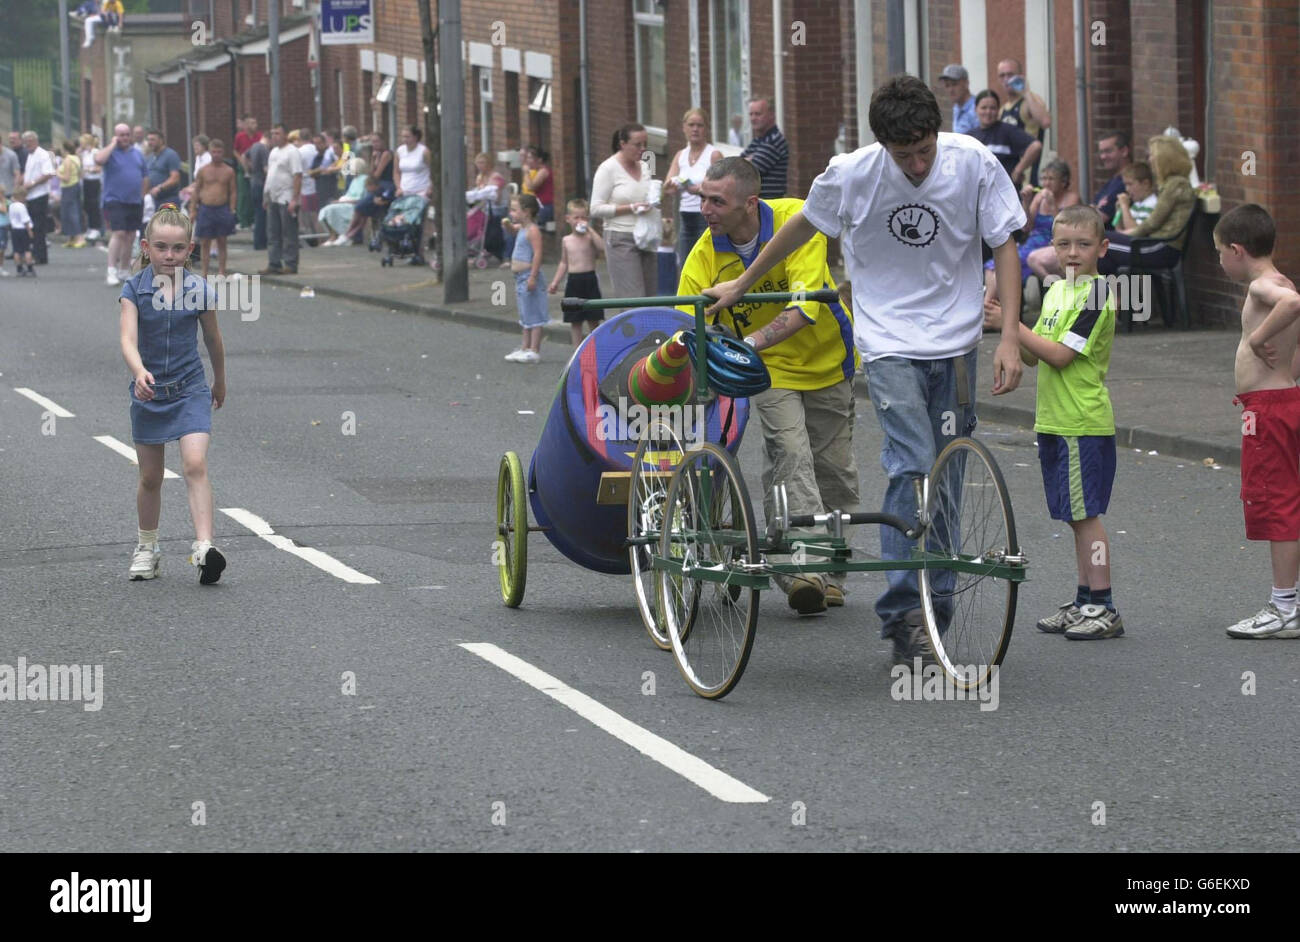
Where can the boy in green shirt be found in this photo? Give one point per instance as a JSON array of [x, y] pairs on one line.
[[1074, 421]]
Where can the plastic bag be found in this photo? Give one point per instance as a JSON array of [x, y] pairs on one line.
[[649, 230]]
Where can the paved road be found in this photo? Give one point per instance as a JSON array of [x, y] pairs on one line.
[[232, 695]]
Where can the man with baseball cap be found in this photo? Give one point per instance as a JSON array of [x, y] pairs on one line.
[[956, 82]]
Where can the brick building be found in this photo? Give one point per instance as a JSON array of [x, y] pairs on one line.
[[1224, 73]]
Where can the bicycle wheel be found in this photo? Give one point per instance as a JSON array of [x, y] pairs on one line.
[[709, 526], [511, 548], [968, 612], [646, 497]]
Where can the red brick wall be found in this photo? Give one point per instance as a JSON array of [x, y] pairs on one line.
[[945, 47], [1005, 31], [1110, 77], [814, 105], [1065, 123]]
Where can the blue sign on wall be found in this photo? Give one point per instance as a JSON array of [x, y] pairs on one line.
[[346, 21]]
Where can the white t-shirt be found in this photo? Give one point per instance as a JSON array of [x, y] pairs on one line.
[[415, 172], [913, 252], [690, 202], [281, 164], [200, 162], [19, 218], [613, 185], [89, 169], [39, 163], [307, 152]]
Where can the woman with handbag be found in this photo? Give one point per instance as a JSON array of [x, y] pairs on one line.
[[619, 197]]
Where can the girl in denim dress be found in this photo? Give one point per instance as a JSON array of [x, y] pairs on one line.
[[162, 308]]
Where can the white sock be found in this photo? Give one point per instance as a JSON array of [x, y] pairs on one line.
[[150, 538], [1285, 600]]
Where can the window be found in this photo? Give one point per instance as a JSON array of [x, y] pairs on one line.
[[483, 106], [539, 113], [651, 82], [730, 67]]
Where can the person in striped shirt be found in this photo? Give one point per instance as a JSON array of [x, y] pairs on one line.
[[768, 151]]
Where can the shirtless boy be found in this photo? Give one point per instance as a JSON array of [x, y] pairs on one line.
[[1266, 369], [217, 192], [578, 253]]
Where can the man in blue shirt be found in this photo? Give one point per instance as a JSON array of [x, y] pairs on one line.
[[1113, 151], [164, 171], [126, 180], [956, 82]]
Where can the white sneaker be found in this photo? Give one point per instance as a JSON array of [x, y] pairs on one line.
[[514, 356], [208, 559], [144, 562], [530, 356], [124, 274], [1267, 623], [341, 241], [112, 279]]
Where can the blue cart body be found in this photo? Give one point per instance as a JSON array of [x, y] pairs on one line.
[[582, 439]]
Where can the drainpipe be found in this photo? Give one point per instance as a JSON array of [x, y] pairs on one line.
[[583, 77], [1081, 92], [778, 65]]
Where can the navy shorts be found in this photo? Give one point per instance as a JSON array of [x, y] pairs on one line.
[[1078, 472], [124, 217], [22, 241]]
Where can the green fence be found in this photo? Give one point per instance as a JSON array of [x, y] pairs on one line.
[[35, 98]]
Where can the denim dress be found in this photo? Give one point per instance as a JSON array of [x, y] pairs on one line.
[[168, 340]]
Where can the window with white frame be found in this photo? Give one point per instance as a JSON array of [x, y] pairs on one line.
[[729, 19], [651, 77]]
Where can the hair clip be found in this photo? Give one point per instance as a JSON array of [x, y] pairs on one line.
[[171, 206]]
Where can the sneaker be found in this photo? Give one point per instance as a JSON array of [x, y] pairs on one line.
[[530, 356], [1268, 623], [514, 355], [4, 273], [807, 594], [209, 560], [1095, 622], [112, 279], [1066, 615], [144, 562], [834, 596], [914, 643]]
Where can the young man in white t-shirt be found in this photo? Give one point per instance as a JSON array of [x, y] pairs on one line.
[[912, 210], [280, 198]]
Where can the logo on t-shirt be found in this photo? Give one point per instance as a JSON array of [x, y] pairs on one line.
[[914, 224]]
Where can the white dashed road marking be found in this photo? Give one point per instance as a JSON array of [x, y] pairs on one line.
[[717, 783], [314, 556], [44, 403], [127, 452]]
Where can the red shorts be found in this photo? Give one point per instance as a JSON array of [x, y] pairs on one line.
[[1270, 463]]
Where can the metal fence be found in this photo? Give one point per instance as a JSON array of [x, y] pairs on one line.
[[32, 98]]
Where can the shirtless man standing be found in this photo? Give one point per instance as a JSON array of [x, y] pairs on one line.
[[1265, 373], [217, 192]]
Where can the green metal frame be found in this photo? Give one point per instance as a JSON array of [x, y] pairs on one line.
[[835, 549]]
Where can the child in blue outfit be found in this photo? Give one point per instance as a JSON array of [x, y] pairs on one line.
[[526, 263], [162, 308]]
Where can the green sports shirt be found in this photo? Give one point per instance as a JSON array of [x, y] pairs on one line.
[[1074, 401]]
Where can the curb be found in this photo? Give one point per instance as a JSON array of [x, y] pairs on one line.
[[1180, 446]]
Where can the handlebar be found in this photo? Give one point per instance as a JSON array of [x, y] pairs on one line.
[[699, 301]]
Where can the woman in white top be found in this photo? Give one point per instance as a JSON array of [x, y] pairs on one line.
[[618, 196], [685, 176], [92, 176], [411, 172]]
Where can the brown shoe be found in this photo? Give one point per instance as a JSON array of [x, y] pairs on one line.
[[834, 596], [289, 271], [807, 595], [271, 270]]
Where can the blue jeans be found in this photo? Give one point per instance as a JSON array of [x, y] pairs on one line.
[[259, 226], [916, 403], [690, 226]]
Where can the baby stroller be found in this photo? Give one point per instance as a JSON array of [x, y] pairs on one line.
[[476, 226], [403, 230]]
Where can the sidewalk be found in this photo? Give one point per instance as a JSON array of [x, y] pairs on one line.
[[1172, 390]]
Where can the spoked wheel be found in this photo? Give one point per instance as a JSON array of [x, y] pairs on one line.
[[709, 528], [969, 608], [658, 452], [512, 529]]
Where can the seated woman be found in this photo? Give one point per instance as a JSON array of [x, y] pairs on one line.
[[1175, 200], [336, 216], [1043, 206]]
